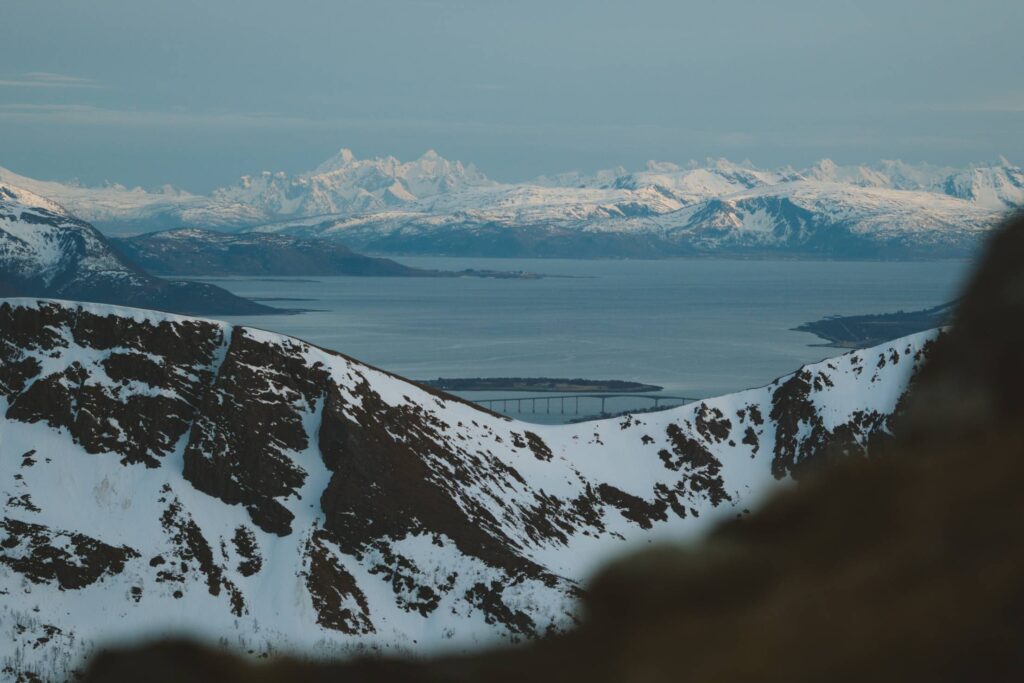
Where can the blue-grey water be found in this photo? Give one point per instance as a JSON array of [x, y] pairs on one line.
[[698, 327]]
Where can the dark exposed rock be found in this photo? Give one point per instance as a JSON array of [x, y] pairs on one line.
[[69, 559], [248, 550], [750, 438], [250, 418], [633, 507], [382, 487], [537, 445], [339, 603], [192, 550], [102, 411], [712, 423], [703, 470]]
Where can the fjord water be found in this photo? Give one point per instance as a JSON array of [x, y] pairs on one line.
[[697, 327]]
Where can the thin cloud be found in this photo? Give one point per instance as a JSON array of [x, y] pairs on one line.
[[571, 136], [48, 79]]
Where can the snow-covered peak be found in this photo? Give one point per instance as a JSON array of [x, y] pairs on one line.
[[347, 184], [13, 198], [996, 187]]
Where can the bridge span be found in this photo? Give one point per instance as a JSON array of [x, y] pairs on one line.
[[560, 400]]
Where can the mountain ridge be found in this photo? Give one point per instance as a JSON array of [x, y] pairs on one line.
[[433, 205], [161, 467]]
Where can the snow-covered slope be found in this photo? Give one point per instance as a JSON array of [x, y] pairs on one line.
[[998, 187], [433, 205], [45, 251], [164, 473]]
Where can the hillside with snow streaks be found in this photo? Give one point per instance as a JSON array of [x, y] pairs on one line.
[[435, 206], [163, 473]]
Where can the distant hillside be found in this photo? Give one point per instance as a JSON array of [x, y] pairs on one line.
[[195, 252], [857, 331], [46, 252], [191, 251]]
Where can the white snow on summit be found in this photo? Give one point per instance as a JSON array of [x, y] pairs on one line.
[[434, 205]]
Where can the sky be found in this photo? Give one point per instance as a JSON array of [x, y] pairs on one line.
[[195, 93]]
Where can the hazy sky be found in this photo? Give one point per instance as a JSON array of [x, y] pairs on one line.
[[197, 92]]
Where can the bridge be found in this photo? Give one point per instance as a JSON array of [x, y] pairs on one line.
[[574, 401]]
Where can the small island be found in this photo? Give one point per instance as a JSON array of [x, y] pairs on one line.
[[859, 331], [540, 384]]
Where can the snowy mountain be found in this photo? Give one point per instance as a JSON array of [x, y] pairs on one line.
[[165, 473], [432, 205], [998, 187], [344, 184], [44, 251], [802, 218]]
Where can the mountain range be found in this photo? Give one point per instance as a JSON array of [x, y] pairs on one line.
[[164, 472], [436, 206]]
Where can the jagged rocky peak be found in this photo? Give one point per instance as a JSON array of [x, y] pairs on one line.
[[167, 472]]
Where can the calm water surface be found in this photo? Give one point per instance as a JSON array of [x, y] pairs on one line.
[[697, 327]]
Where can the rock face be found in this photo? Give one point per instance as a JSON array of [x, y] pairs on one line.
[[44, 251], [164, 472]]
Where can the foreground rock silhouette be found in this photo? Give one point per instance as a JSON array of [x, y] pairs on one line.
[[908, 565]]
